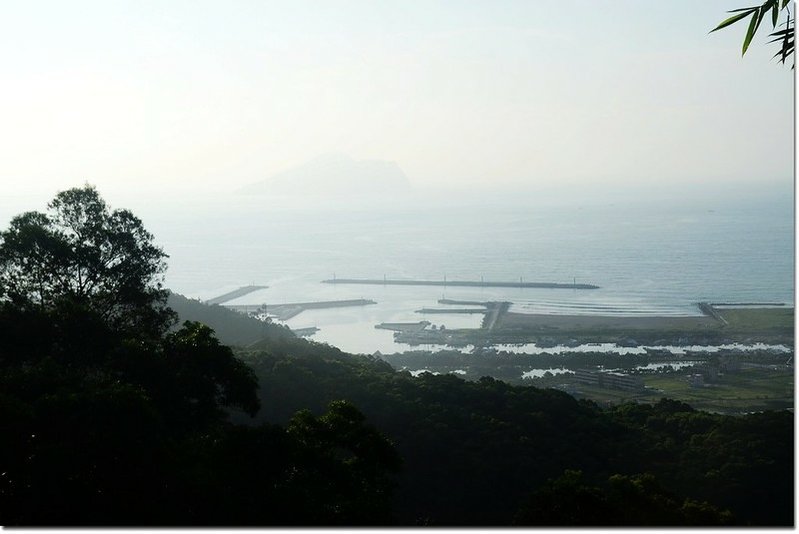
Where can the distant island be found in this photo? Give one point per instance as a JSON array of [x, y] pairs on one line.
[[335, 175]]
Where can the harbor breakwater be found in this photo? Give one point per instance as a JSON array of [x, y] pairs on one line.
[[286, 311], [457, 283], [236, 293]]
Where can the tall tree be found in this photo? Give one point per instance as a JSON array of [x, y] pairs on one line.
[[81, 253]]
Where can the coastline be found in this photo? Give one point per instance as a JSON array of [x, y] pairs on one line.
[[548, 322], [773, 325]]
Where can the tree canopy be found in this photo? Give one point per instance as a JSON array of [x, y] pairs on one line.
[[108, 417], [80, 253]]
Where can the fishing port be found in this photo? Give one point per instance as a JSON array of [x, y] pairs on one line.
[[499, 325]]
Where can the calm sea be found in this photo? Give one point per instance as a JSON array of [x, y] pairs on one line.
[[648, 257]]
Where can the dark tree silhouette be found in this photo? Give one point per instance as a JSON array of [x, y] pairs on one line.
[[108, 417], [82, 254]]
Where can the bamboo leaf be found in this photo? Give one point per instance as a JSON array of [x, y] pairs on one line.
[[750, 33], [732, 20], [780, 37], [760, 16], [775, 14], [784, 54], [782, 33]]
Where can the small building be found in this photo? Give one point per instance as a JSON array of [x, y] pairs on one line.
[[584, 376], [710, 372], [696, 380], [621, 381], [730, 364], [609, 379]]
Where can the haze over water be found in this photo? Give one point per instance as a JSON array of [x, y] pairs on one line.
[[646, 160], [650, 256], [644, 255]]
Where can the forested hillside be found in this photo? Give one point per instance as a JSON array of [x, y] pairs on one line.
[[483, 452], [231, 328], [474, 452], [115, 413]]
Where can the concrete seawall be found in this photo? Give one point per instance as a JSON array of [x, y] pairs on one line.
[[710, 311], [236, 293], [458, 283], [289, 310]]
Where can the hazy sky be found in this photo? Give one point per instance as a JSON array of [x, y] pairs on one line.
[[150, 95]]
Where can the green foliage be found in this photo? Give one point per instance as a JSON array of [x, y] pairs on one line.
[[108, 419], [90, 423], [231, 328], [270, 475], [623, 501], [456, 437], [459, 438], [346, 457], [208, 372], [566, 501], [756, 14], [737, 463], [80, 253]]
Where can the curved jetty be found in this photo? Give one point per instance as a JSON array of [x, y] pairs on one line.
[[285, 312], [454, 283], [404, 327], [236, 293]]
